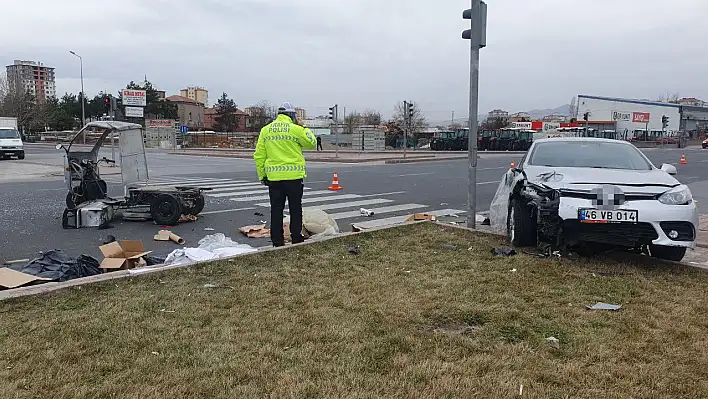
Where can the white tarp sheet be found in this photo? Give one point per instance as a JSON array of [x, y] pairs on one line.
[[499, 209], [215, 246]]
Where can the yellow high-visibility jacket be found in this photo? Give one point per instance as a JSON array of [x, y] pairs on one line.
[[278, 153]]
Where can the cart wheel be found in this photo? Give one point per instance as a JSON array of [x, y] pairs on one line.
[[197, 208], [166, 210]]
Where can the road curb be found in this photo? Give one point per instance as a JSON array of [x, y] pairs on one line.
[[427, 158]]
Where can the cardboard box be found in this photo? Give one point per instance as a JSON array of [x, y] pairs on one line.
[[12, 279], [124, 254], [421, 216]]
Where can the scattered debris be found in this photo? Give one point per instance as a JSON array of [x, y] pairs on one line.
[[420, 217], [444, 204], [213, 246], [604, 306], [50, 266], [503, 252], [354, 249], [553, 341], [167, 311], [521, 389], [450, 247], [258, 214], [366, 212], [14, 262], [188, 218], [155, 353], [208, 229], [166, 235], [513, 270], [109, 240], [209, 286], [255, 231]]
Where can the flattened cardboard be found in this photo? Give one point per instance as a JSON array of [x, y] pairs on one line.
[[12, 279], [124, 254], [421, 216]]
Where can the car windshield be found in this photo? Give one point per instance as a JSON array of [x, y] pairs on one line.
[[588, 154], [9, 134]]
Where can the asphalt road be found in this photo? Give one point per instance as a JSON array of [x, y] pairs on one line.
[[31, 215]]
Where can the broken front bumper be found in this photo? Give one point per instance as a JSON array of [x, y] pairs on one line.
[[655, 222]]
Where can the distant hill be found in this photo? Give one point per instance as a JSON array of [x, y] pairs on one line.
[[540, 113]]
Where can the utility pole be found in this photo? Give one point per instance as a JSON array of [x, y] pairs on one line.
[[333, 114], [83, 94], [452, 118], [477, 35]]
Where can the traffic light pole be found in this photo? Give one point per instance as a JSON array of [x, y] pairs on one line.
[[336, 131], [477, 36], [406, 124]]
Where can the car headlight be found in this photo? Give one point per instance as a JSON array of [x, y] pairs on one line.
[[679, 195]]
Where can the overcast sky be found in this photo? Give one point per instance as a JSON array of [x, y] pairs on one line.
[[368, 53]]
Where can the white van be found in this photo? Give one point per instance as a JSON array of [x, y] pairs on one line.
[[11, 143]]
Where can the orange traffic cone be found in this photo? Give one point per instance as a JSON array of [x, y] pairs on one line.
[[512, 165], [335, 183], [683, 159]]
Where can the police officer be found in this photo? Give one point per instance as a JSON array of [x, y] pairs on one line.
[[281, 166]]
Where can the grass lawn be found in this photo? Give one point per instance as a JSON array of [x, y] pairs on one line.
[[407, 317]]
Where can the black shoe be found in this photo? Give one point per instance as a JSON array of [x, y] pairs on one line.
[[278, 245]]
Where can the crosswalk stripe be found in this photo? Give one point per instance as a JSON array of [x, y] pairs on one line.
[[236, 186], [377, 211], [328, 198], [307, 194], [352, 204], [178, 183], [232, 193]]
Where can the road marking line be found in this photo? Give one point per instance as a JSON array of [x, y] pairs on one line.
[[400, 219], [232, 193], [225, 210], [236, 187], [351, 204], [488, 182], [319, 199], [266, 197], [377, 211], [415, 174]]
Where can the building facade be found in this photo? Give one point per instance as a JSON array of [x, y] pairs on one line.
[[198, 94], [32, 77], [498, 113], [628, 115], [189, 112], [210, 115], [301, 113]]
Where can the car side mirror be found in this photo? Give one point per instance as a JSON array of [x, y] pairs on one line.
[[59, 146], [668, 168]]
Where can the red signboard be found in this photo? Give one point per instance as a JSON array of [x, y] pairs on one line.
[[567, 124], [640, 117], [536, 125]]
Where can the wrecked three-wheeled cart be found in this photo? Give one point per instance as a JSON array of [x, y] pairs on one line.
[[87, 201]]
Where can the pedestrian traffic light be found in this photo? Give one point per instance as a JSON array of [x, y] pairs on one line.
[[106, 105], [664, 121], [479, 24]]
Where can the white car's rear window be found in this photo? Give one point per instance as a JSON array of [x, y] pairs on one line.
[[588, 154], [9, 134]]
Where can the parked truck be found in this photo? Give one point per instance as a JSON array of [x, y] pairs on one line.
[[10, 139]]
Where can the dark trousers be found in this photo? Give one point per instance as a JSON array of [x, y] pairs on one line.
[[279, 191], [319, 146]]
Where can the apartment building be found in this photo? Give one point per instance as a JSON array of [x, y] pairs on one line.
[[32, 77], [198, 94]]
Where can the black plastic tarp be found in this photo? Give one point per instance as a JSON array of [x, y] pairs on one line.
[[58, 266]]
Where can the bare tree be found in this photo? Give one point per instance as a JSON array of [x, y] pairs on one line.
[[417, 123], [16, 102], [669, 98], [261, 114], [371, 117], [352, 121]]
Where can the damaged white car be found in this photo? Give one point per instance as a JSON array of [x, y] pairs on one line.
[[595, 194]]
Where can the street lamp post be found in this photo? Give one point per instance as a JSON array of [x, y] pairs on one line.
[[83, 95]]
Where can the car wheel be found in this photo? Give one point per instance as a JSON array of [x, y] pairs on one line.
[[166, 210], [21, 156], [674, 254], [520, 226]]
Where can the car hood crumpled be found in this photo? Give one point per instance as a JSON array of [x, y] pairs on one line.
[[585, 179]]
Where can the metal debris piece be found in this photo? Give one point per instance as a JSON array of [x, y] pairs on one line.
[[553, 341], [450, 247], [208, 229], [258, 214], [604, 306], [354, 249], [503, 252]]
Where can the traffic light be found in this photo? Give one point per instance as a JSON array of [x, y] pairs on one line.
[[113, 104], [107, 105], [410, 111], [586, 116], [332, 113], [479, 23], [664, 121]]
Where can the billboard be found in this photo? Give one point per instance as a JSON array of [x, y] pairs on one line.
[[521, 125], [161, 123], [134, 98], [134, 112], [640, 117], [621, 116]]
